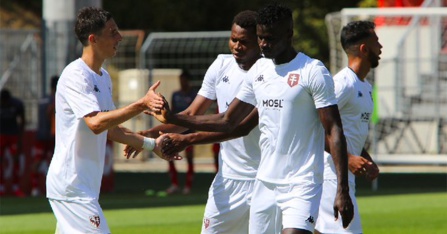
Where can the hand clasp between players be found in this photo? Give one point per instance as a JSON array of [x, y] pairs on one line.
[[160, 111], [160, 142], [153, 101], [175, 144]]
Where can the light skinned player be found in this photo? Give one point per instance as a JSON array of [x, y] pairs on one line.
[[227, 208], [355, 103], [85, 119], [294, 95]]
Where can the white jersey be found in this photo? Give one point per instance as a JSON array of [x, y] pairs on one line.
[[355, 105], [287, 97], [239, 158], [76, 168]]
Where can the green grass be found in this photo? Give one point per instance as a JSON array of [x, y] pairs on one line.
[[395, 208], [409, 213], [182, 219]]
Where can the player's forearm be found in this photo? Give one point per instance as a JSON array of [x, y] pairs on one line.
[[123, 135], [211, 123], [164, 128], [198, 138], [224, 122], [339, 154], [336, 144], [101, 121]]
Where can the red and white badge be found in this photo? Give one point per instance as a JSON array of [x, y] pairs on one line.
[[293, 79], [95, 221]]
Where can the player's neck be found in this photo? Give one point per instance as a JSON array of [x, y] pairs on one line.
[[286, 56], [359, 68], [92, 60], [247, 65]]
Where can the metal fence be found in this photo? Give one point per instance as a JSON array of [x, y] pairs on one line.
[[194, 51], [20, 68]]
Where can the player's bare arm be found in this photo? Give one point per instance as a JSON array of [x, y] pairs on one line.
[[180, 142], [100, 121], [123, 135], [330, 118], [223, 122], [197, 107]]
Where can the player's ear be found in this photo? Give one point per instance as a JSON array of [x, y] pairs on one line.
[[92, 38], [363, 48]]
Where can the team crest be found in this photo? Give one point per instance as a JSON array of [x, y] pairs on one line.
[[95, 220], [293, 79], [206, 223], [96, 89]]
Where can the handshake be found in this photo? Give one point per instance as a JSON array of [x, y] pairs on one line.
[[165, 145]]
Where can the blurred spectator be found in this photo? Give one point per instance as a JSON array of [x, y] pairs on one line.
[[12, 127], [45, 135], [181, 99]]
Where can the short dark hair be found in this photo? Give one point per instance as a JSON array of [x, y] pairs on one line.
[[246, 19], [274, 13], [90, 20], [355, 32]]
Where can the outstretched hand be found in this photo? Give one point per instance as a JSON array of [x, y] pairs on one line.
[[163, 113], [160, 142], [343, 206], [176, 144], [153, 100], [130, 151]]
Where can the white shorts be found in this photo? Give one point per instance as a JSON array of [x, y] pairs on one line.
[[228, 207], [81, 216], [275, 207], [326, 221]]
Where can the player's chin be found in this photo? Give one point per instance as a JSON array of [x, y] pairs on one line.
[[267, 54], [238, 58], [115, 50], [111, 54]]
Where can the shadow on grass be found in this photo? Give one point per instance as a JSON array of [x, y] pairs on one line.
[[403, 183], [130, 191]]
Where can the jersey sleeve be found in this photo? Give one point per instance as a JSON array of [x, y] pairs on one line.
[[208, 89], [321, 86], [77, 90]]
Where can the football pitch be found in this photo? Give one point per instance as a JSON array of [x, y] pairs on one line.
[[395, 209]]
